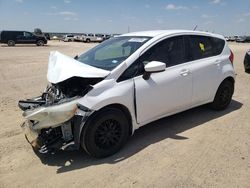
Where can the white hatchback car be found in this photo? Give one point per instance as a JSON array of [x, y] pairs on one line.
[[101, 97]]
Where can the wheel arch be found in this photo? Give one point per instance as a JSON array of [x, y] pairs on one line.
[[216, 104], [228, 78], [79, 127], [124, 109]]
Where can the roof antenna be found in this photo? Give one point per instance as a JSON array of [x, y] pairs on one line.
[[195, 27]]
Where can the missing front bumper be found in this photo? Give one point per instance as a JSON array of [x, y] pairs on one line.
[[46, 138], [30, 134]]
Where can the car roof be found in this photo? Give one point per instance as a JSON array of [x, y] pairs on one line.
[[155, 33]]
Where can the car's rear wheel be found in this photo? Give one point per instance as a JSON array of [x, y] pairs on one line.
[[11, 43], [40, 43], [105, 133], [223, 95], [88, 40]]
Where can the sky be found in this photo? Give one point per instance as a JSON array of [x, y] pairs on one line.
[[226, 17]]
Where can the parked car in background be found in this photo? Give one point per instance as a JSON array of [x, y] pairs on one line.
[[68, 38], [227, 38], [243, 39], [231, 38], [79, 38], [240, 39], [99, 99], [21, 37], [106, 36], [247, 62], [236, 37], [92, 38], [247, 39]]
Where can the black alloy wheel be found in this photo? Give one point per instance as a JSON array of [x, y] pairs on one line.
[[223, 95], [108, 134], [105, 132]]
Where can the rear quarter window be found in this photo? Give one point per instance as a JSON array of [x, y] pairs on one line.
[[218, 45], [200, 47]]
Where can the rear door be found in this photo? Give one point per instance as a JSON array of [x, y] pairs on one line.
[[203, 52], [164, 92], [19, 37]]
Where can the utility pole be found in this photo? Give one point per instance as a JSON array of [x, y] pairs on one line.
[[128, 29]]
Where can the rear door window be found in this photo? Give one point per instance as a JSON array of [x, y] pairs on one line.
[[200, 47]]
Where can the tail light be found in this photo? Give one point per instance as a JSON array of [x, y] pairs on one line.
[[231, 57]]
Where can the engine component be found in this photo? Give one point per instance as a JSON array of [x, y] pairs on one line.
[[67, 131], [56, 93]]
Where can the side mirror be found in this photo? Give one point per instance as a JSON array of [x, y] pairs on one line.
[[76, 57], [152, 67]]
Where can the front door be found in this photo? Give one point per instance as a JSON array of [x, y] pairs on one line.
[[165, 92], [29, 38]]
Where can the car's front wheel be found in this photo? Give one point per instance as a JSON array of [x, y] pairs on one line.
[[105, 133], [223, 95]]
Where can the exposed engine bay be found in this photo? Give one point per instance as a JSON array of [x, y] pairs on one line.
[[54, 136], [51, 118], [58, 93]]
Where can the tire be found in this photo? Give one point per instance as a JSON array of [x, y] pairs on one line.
[[40, 43], [223, 95], [11, 43], [105, 133], [88, 40]]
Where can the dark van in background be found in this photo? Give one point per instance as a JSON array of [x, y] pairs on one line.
[[21, 37], [247, 62]]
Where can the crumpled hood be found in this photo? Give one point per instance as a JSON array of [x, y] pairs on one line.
[[62, 67]]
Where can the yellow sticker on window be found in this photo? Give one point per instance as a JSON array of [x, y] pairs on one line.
[[202, 47]]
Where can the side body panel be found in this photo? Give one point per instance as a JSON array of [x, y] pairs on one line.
[[163, 93], [208, 73], [110, 92], [206, 76]]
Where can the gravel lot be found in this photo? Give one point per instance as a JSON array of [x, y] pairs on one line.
[[196, 148]]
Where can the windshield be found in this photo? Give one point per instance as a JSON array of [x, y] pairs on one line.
[[112, 52]]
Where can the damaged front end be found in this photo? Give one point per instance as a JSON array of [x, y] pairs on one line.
[[52, 117]]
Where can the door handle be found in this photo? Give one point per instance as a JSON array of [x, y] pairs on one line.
[[184, 72]]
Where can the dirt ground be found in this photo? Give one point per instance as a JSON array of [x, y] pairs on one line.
[[196, 148]]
